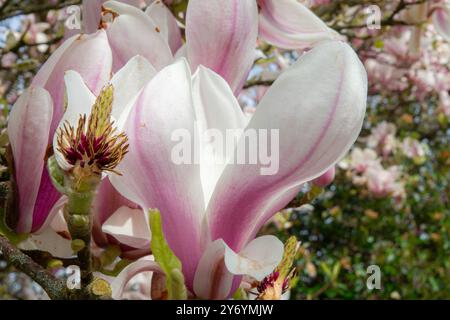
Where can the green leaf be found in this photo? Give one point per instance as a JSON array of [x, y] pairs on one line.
[[167, 260], [326, 269], [336, 271]]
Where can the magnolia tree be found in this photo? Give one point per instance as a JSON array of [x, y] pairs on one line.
[[154, 143]]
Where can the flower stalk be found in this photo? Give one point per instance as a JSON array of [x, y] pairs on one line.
[[77, 214]]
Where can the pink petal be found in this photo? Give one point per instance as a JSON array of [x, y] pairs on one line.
[[212, 278], [221, 35], [143, 265], [441, 21], [288, 24], [28, 130], [79, 102], [129, 227], [53, 237], [134, 33], [90, 56], [216, 109], [46, 70], [151, 178], [317, 122], [258, 259], [325, 179], [128, 83], [166, 22], [107, 201], [92, 10]]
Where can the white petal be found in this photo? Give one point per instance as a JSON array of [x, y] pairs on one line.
[[317, 108], [167, 24], [258, 259], [47, 68], [289, 24], [49, 241], [221, 35], [144, 264], [212, 279], [152, 177], [216, 111], [129, 227], [28, 131], [79, 102], [127, 83], [133, 33]]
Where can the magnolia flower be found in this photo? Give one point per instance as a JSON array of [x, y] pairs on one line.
[[360, 160], [116, 220], [103, 152], [441, 19], [412, 148], [383, 182], [212, 212], [383, 75], [34, 119], [36, 34], [383, 137]]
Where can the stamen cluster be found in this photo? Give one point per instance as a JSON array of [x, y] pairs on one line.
[[94, 145]]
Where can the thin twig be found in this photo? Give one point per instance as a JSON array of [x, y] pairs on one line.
[[37, 9], [258, 82], [55, 288]]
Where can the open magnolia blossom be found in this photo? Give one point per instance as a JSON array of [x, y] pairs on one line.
[[220, 35], [122, 90], [35, 117], [113, 213], [212, 213]]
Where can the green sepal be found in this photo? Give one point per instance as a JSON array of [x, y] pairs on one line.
[[166, 259], [56, 174]]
